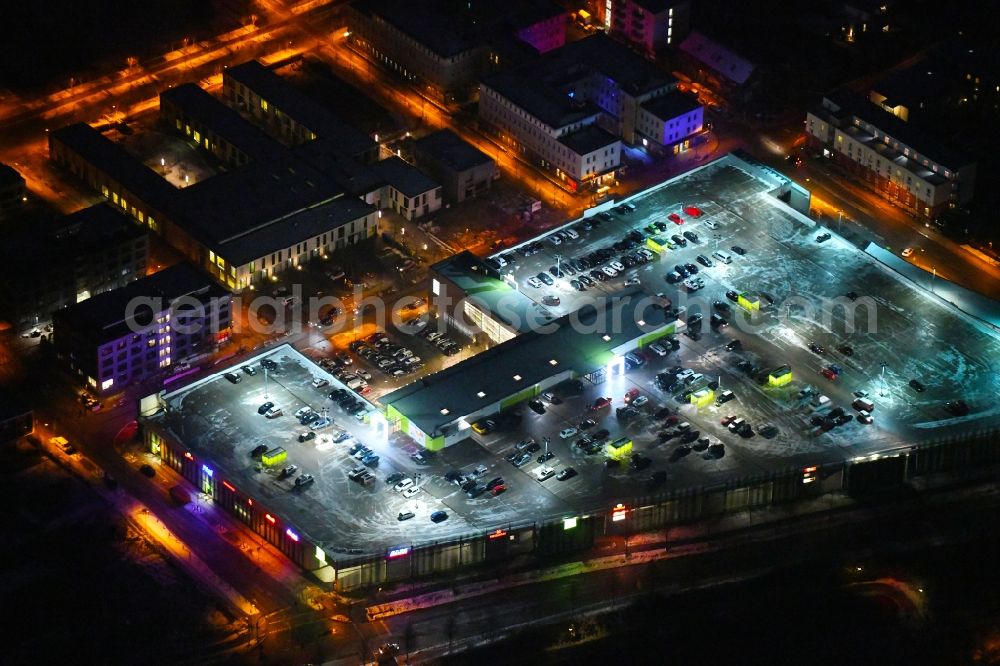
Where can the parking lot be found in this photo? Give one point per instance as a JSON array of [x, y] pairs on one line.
[[900, 333]]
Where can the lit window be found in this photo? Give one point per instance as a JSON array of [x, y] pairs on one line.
[[606, 338], [553, 362], [263, 104], [481, 395], [517, 378], [107, 383], [445, 412]]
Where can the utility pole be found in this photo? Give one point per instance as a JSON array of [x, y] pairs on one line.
[[265, 383]]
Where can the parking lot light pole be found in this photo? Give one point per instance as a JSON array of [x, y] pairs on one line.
[[545, 441], [265, 383]]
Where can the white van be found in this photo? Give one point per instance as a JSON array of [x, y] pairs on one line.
[[711, 224], [723, 256]]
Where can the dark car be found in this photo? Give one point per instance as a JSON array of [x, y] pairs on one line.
[[439, 517], [691, 236], [678, 240], [722, 307], [394, 478], [536, 406], [233, 377], [846, 350], [546, 278], [734, 345], [732, 295], [545, 457], [566, 474], [738, 250], [916, 385], [601, 434], [694, 320], [691, 268], [557, 271], [258, 451], [306, 436], [587, 424], [493, 483], [521, 460], [957, 407], [148, 470], [816, 349], [263, 408]]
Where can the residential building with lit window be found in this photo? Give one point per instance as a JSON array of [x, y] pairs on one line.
[[244, 225], [136, 332], [12, 191], [214, 127], [446, 45], [666, 124], [462, 169], [66, 261], [649, 25], [289, 114], [911, 166], [409, 191], [570, 109]]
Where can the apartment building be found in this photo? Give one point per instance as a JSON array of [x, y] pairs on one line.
[[463, 170], [409, 191], [446, 46], [667, 124], [722, 70], [215, 127], [648, 25], [292, 116], [67, 261], [571, 109], [131, 334], [910, 166], [242, 226], [556, 131]]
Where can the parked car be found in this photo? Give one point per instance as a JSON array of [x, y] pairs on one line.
[[439, 516], [566, 474], [263, 409]]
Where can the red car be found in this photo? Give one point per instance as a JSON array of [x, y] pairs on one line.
[[675, 218], [829, 374], [692, 211], [600, 403], [631, 395]]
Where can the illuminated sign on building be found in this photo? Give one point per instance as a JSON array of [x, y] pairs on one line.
[[618, 513], [292, 535], [400, 551], [498, 534], [207, 470], [269, 518], [229, 486], [569, 523], [809, 474]]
